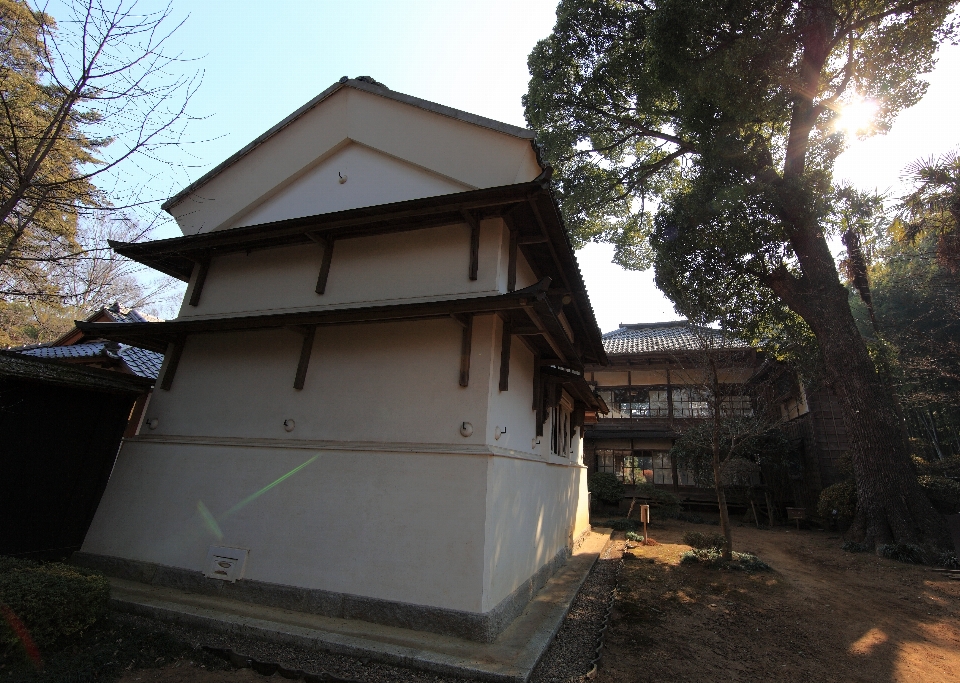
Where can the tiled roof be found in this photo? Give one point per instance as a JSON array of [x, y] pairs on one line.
[[141, 362], [13, 364], [677, 335]]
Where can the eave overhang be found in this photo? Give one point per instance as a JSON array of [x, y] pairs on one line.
[[528, 311], [577, 387], [530, 208]]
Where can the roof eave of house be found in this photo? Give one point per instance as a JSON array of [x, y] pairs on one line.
[[176, 256], [16, 365]]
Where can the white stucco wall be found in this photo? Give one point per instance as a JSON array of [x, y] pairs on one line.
[[384, 382], [469, 156], [409, 266], [534, 509], [395, 503], [372, 178], [402, 526]]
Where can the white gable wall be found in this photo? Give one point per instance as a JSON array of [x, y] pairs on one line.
[[465, 154], [372, 178]]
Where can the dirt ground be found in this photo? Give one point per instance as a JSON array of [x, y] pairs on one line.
[[821, 615]]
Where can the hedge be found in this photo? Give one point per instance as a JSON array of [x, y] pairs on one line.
[[43, 604]]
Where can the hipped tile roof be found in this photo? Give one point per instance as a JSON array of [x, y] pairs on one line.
[[142, 362], [678, 335]]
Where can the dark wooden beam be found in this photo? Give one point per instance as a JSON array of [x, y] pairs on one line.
[[512, 262], [474, 242], [325, 263], [542, 328], [505, 356], [305, 350], [170, 362], [466, 344], [531, 239], [156, 336], [202, 268], [536, 381]]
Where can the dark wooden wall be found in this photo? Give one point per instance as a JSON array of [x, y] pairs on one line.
[[58, 445]]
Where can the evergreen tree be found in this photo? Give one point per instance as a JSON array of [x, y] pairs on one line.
[[723, 117]]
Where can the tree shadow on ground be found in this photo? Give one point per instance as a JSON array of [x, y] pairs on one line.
[[821, 615]]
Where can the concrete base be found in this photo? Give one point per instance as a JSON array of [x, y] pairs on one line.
[[510, 658], [484, 627]]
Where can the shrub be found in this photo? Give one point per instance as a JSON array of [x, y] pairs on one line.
[[606, 487], [702, 541], [632, 536], [713, 558], [666, 505], [623, 524], [751, 562], [838, 502], [943, 493], [948, 560], [901, 552], [691, 517], [52, 601], [947, 467]]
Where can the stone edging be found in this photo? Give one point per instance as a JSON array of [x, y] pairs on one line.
[[483, 627]]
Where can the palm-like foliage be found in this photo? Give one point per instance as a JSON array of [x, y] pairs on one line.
[[933, 208]]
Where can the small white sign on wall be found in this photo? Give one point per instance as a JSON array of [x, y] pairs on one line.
[[226, 564]]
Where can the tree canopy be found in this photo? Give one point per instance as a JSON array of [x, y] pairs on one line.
[[700, 138], [79, 99]]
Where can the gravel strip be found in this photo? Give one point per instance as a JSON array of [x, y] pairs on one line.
[[568, 657], [311, 660]]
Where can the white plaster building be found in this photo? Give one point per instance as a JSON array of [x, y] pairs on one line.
[[372, 399]]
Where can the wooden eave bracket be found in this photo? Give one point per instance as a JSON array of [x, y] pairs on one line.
[[474, 224], [171, 359], [326, 242], [308, 332], [200, 271], [506, 336], [466, 345]]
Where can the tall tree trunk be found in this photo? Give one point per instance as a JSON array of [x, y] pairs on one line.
[[891, 506], [724, 514]]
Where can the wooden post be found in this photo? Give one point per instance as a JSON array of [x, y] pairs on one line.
[[474, 243], [645, 517], [466, 344], [512, 262], [505, 356]]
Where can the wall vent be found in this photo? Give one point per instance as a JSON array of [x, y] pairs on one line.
[[225, 564]]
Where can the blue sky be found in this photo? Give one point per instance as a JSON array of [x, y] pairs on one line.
[[262, 60]]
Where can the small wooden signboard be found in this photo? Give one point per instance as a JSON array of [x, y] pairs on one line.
[[797, 514]]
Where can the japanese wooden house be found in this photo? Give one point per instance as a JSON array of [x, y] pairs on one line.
[[372, 400], [656, 387]]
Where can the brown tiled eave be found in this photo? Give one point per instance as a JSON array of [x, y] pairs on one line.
[[15, 365], [529, 207]]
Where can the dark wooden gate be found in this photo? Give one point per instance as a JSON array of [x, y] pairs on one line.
[[60, 430]]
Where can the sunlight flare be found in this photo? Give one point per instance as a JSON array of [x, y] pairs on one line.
[[856, 117]]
